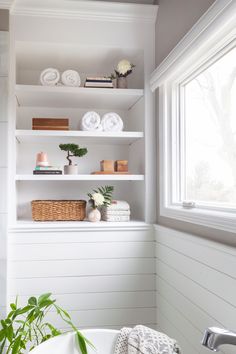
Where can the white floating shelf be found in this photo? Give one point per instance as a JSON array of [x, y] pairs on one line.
[[76, 97], [79, 177], [30, 225], [49, 136]]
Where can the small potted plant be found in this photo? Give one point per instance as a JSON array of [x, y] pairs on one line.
[[72, 150], [25, 327], [124, 68], [101, 196]]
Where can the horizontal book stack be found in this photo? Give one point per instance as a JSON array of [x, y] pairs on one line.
[[50, 124], [47, 170], [117, 211], [101, 82]]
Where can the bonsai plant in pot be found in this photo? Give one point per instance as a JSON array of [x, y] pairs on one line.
[[72, 151], [101, 196], [26, 327]]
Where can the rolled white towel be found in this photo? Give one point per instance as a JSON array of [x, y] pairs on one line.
[[91, 121], [112, 122], [71, 78], [49, 77]]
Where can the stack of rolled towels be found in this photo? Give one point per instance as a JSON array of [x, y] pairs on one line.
[[118, 210], [110, 122], [52, 77]]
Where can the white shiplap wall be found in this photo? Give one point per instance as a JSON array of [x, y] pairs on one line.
[[3, 163], [196, 287], [103, 278]]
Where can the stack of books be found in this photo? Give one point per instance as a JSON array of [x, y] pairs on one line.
[[102, 82], [47, 170]]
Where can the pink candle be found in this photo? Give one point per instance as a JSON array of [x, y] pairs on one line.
[[42, 159]]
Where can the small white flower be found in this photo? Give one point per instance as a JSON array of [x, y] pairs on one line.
[[123, 67], [98, 199]]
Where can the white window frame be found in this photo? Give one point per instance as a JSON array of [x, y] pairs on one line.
[[212, 36]]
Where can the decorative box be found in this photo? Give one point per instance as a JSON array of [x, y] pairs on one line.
[[121, 166], [107, 165], [50, 124]]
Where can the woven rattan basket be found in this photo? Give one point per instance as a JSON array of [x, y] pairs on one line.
[[58, 210]]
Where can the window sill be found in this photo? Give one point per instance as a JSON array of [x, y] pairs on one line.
[[213, 219]]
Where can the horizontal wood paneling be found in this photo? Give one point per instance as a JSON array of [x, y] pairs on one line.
[[196, 282], [117, 317], [206, 277], [107, 300], [85, 236], [89, 267], [91, 284], [104, 279], [67, 251], [164, 325]]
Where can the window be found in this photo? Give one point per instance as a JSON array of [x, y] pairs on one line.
[[197, 122], [208, 126]]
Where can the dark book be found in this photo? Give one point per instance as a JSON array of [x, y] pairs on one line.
[[47, 172], [102, 81]]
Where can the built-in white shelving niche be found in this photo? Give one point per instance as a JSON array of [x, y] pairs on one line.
[[70, 44]]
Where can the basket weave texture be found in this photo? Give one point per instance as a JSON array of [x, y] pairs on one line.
[[58, 210]]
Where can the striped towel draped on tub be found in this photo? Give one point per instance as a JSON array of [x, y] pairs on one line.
[[144, 340]]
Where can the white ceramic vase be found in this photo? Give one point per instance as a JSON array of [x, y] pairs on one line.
[[70, 169], [94, 215]]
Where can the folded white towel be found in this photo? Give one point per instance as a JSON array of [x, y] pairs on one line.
[[116, 218], [91, 121], [71, 78], [112, 122], [49, 77], [106, 212], [118, 205]]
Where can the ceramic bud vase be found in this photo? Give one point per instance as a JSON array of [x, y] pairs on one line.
[[94, 215], [70, 169], [121, 82]]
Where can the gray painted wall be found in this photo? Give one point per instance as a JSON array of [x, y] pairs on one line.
[[4, 20], [175, 18]]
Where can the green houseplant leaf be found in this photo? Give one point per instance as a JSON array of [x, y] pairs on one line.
[[27, 327]]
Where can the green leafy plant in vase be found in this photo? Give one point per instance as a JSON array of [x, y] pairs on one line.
[[26, 327], [72, 151], [100, 197]]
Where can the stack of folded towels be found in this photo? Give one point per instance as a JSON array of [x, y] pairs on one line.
[[118, 210]]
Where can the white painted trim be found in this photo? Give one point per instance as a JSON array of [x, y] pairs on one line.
[[212, 34], [213, 219], [199, 32], [31, 226], [87, 10]]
